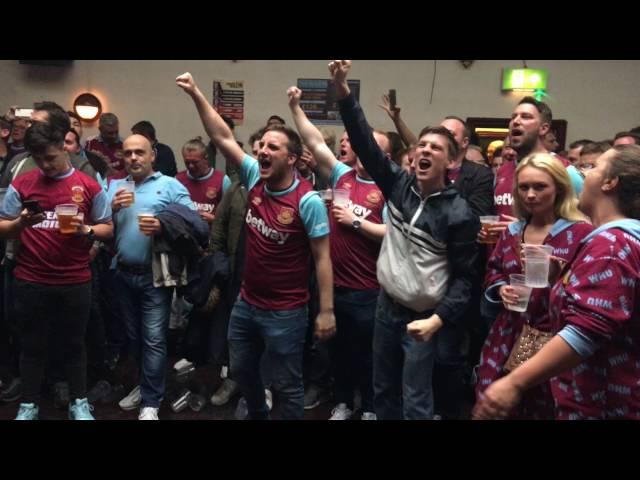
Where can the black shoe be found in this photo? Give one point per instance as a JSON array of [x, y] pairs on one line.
[[61, 395], [12, 391], [116, 394], [100, 391], [112, 361]]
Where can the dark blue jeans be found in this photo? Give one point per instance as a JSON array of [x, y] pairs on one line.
[[402, 366], [451, 345], [282, 334], [145, 310], [352, 347]]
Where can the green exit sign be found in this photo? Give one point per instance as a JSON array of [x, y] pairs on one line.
[[524, 79]]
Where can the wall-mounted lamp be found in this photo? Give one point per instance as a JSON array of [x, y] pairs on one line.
[[87, 106], [524, 80]]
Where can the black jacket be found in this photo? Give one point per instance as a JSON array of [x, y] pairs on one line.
[[445, 225], [212, 270], [184, 235], [475, 184]]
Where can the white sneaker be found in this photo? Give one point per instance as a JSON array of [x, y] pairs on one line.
[[268, 398], [131, 401], [182, 364], [226, 392], [368, 416], [148, 413], [341, 412]]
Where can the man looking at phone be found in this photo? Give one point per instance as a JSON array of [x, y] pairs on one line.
[[53, 267]]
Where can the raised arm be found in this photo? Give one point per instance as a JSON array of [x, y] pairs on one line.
[[311, 136], [214, 125], [407, 136], [383, 171]]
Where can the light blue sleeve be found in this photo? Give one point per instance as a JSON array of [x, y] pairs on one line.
[[339, 169], [578, 341], [385, 213], [178, 193], [314, 215], [576, 179], [12, 204], [249, 172], [101, 208], [101, 181], [226, 183]]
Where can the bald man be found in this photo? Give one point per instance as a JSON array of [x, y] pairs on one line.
[[144, 308]]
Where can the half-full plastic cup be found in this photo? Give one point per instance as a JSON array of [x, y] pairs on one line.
[[341, 197], [517, 281], [144, 214], [536, 267], [130, 188]]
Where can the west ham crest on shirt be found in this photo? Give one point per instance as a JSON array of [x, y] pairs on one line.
[[77, 194], [212, 192], [285, 217], [374, 197]]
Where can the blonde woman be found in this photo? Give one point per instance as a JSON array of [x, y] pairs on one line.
[[546, 206]]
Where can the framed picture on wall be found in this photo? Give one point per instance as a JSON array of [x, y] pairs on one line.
[[319, 100]]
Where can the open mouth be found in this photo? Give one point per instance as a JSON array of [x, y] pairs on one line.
[[424, 164], [265, 164], [516, 133]]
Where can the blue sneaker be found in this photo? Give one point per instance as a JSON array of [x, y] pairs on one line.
[[27, 411], [80, 409]]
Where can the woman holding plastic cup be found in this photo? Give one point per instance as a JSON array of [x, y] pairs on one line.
[[594, 359], [545, 204]]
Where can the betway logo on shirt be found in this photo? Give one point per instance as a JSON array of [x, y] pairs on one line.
[[266, 230], [504, 199], [359, 210], [204, 207]]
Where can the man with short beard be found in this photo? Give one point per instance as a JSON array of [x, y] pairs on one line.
[[286, 225], [530, 122]]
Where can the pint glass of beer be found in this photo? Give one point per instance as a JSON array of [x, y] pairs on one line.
[[65, 213], [487, 222]]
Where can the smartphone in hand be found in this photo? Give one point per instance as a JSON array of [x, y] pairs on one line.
[[33, 206], [392, 98]]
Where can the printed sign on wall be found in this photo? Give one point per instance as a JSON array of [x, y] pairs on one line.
[[319, 99], [228, 99]]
